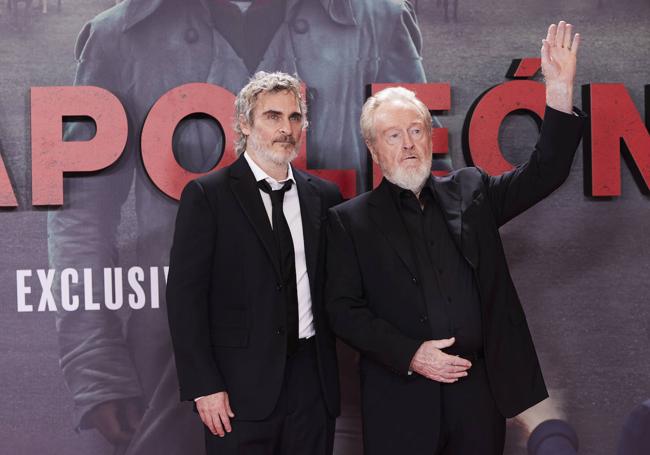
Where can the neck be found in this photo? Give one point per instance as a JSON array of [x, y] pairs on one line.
[[278, 171]]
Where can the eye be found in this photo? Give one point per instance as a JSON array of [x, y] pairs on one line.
[[295, 118], [272, 116]]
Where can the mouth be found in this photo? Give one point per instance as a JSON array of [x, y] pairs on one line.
[[285, 141]]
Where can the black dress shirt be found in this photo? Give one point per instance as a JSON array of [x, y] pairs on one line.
[[445, 278]]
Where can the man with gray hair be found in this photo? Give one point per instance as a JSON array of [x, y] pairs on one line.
[[417, 278], [244, 294]]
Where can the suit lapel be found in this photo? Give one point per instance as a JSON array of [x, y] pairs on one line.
[[310, 211], [388, 220], [244, 187], [448, 196]]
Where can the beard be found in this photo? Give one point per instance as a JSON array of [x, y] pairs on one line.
[[411, 179], [281, 158]]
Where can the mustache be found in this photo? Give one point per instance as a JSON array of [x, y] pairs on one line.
[[287, 139]]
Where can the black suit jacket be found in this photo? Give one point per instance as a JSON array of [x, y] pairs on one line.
[[373, 293], [225, 308]]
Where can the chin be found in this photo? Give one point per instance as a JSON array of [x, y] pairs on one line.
[[282, 157], [410, 177]]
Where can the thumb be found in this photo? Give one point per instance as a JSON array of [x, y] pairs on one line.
[[546, 56], [441, 344], [228, 410]]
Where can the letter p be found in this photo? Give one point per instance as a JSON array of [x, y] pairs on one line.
[[52, 156]]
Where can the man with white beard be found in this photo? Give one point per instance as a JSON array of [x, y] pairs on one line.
[[244, 294], [417, 278]]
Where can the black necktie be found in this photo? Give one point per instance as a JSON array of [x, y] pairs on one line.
[[284, 242]]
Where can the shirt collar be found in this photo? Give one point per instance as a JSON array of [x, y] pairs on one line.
[[399, 194], [259, 173]]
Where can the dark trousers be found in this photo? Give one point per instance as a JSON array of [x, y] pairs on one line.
[[471, 424], [462, 419], [299, 424]]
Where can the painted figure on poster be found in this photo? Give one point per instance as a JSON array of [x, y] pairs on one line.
[[118, 365]]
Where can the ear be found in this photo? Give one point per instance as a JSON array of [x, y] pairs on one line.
[[244, 125], [371, 149]]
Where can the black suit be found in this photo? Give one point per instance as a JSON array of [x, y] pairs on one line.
[[227, 313], [375, 303]]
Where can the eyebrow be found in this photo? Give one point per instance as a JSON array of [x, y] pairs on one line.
[[415, 123], [271, 111]]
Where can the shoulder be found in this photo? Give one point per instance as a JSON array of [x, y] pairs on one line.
[[381, 8], [353, 207], [213, 180], [101, 31], [466, 175], [323, 186], [467, 181]]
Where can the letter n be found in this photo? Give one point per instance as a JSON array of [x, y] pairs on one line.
[[615, 129]]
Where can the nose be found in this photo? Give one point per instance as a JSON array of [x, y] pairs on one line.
[[407, 142], [285, 127]]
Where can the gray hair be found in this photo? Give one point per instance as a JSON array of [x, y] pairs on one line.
[[386, 95], [246, 101]]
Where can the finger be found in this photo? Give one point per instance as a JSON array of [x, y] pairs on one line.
[[216, 423], [454, 360], [441, 344], [133, 415], [223, 415], [550, 36], [207, 421], [456, 369], [113, 431], [443, 379], [108, 424], [567, 36], [228, 409], [546, 51], [559, 38], [576, 43], [458, 375]]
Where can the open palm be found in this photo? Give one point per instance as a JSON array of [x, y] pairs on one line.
[[559, 54]]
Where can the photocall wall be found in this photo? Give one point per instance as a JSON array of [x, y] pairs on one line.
[[107, 109]]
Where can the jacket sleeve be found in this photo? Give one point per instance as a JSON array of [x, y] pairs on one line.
[[513, 192], [351, 318], [188, 294], [94, 356]]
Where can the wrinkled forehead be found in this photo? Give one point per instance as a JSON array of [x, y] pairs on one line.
[[282, 100], [397, 113]]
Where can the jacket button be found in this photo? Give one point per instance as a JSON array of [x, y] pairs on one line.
[[423, 319], [278, 287], [300, 26], [191, 35], [414, 280], [280, 331]]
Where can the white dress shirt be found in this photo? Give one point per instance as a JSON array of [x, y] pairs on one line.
[[291, 209]]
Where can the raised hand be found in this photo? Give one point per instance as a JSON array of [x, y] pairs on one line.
[[559, 55]]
